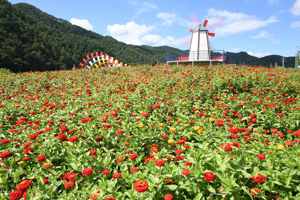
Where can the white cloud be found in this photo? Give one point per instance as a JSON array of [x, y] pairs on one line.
[[129, 33], [295, 24], [265, 35], [171, 18], [235, 23], [295, 10], [84, 23], [156, 40], [142, 7], [259, 55], [132, 33]]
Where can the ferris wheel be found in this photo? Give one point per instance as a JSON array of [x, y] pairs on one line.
[[100, 61]]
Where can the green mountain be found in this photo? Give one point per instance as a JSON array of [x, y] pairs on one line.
[[32, 40]]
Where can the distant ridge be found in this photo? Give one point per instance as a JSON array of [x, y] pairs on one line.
[[32, 40]]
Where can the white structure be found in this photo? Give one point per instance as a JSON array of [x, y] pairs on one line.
[[199, 47]]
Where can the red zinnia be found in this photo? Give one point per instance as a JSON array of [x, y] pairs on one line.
[[4, 141], [185, 172], [15, 194], [99, 139], [134, 169], [87, 171], [41, 158], [110, 198], [119, 132], [159, 162], [133, 156], [255, 191], [209, 176], [63, 128], [62, 137], [144, 114], [73, 138], [5, 154], [24, 185], [117, 175], [168, 197], [105, 172], [178, 151], [261, 156], [141, 186]]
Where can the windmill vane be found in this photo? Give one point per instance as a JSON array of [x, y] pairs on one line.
[[216, 23], [194, 18]]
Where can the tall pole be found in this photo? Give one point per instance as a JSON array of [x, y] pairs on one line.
[[283, 61]]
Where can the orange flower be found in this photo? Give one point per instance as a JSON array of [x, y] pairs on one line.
[[46, 165]]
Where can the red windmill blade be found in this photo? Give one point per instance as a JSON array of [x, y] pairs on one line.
[[205, 23]]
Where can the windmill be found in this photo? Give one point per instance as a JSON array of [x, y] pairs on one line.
[[199, 42]]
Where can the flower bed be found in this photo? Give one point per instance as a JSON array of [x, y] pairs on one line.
[[144, 132]]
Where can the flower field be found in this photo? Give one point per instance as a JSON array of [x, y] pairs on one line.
[[144, 132]]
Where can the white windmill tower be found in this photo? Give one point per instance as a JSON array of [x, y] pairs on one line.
[[200, 46]]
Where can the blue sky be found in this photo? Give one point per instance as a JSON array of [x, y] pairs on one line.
[[259, 27]]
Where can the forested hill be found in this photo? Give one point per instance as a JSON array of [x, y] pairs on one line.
[[34, 40]]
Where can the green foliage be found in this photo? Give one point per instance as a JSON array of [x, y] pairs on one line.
[[5, 71], [32, 40]]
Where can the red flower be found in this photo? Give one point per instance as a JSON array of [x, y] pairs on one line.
[[32, 137], [24, 185], [119, 159], [73, 138], [228, 147], [185, 172], [41, 158], [134, 169], [168, 197], [99, 139], [133, 156], [261, 156], [144, 114], [119, 132], [63, 128], [69, 184], [280, 114], [297, 133], [141, 186], [5, 154], [178, 151], [94, 196], [93, 152], [62, 137], [159, 162], [4, 141], [105, 172], [154, 149], [164, 136], [87, 171], [209, 176], [255, 191], [117, 175], [45, 181], [27, 150], [259, 178], [169, 181], [110, 198], [15, 194]]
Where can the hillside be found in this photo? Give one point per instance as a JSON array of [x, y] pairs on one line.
[[31, 39]]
